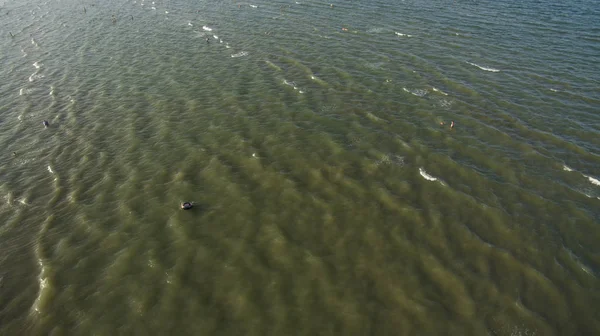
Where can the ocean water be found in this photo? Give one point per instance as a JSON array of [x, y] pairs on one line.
[[331, 196]]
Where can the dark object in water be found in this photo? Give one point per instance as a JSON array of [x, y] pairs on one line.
[[186, 205], [46, 123]]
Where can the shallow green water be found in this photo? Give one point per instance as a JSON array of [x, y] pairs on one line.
[[328, 198]]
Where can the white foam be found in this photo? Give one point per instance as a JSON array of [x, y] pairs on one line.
[[567, 168], [416, 92], [24, 92], [404, 35], [427, 176], [554, 90], [375, 30], [190, 24], [439, 91], [240, 54], [592, 180], [50, 169], [33, 42], [215, 37], [207, 28], [293, 85], [153, 8], [445, 102], [43, 283], [581, 265], [35, 76], [37, 65], [166, 12], [484, 68], [52, 90], [254, 6]]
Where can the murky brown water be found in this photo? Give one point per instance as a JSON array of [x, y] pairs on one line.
[[328, 198]]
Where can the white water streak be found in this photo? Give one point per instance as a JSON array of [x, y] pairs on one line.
[[403, 35], [439, 91], [429, 177], [484, 68], [592, 180]]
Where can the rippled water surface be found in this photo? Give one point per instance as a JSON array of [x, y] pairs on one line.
[[331, 195]]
